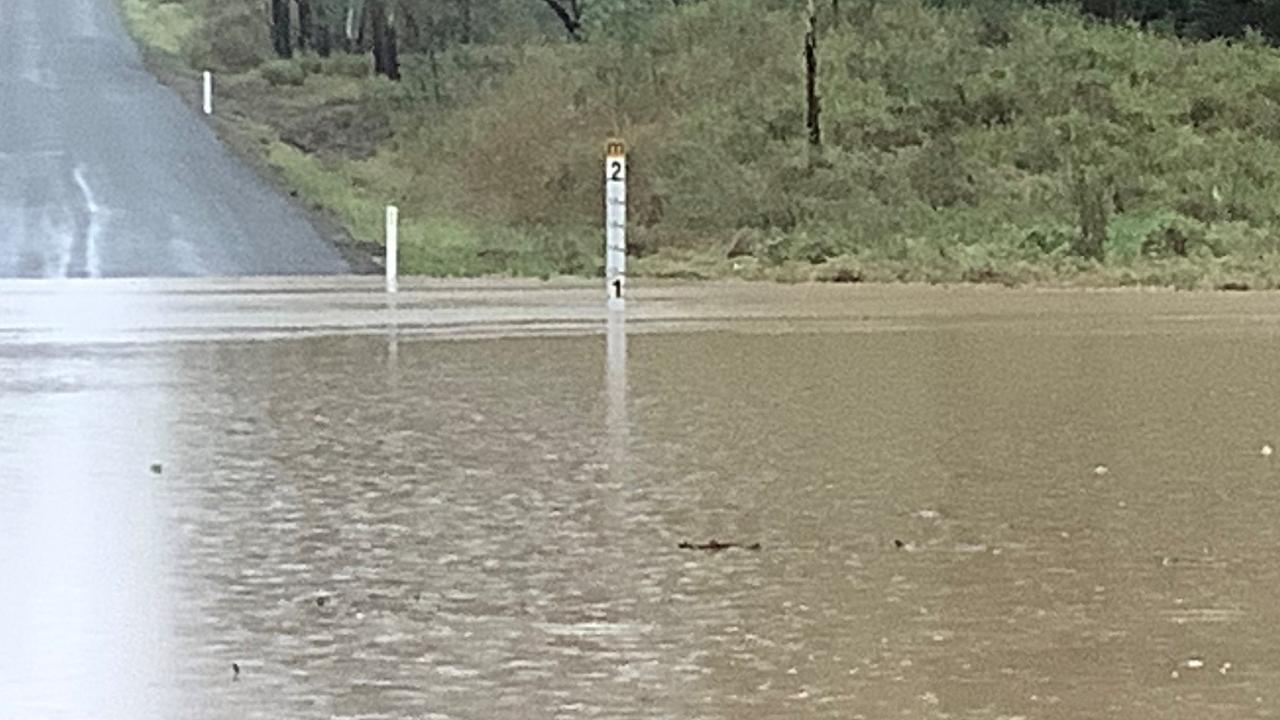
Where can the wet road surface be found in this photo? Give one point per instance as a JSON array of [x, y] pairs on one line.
[[104, 173], [468, 504]]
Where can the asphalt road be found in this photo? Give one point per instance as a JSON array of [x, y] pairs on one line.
[[105, 173]]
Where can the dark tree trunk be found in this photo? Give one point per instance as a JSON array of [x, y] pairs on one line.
[[464, 15], [570, 16], [386, 60], [813, 109], [281, 33], [390, 53], [306, 27], [324, 40]]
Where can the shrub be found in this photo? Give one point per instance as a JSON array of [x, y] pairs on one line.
[[283, 72], [311, 64], [232, 37], [345, 65]]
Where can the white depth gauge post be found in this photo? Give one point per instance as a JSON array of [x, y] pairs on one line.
[[208, 93], [393, 249], [615, 255]]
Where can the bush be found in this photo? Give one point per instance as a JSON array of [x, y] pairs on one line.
[[352, 66], [311, 64], [230, 38], [283, 73]]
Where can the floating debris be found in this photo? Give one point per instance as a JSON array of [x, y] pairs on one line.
[[235, 672], [928, 514], [1267, 450], [1101, 470], [717, 546], [1193, 664], [156, 468]]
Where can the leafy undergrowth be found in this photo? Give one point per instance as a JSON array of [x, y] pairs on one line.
[[159, 26]]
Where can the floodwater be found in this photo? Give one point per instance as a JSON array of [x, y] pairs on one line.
[[469, 503]]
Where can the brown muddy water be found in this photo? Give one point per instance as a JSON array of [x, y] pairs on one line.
[[970, 504]]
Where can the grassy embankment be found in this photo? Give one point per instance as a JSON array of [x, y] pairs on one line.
[[960, 146]]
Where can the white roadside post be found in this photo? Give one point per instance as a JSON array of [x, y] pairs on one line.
[[208, 93], [615, 182], [393, 239]]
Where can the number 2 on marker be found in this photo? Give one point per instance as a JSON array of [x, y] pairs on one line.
[[615, 171]]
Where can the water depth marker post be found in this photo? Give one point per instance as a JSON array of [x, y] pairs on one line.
[[393, 254], [615, 248], [208, 93]]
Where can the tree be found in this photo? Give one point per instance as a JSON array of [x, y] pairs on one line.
[[306, 33], [464, 16], [570, 14], [386, 54], [281, 33], [813, 109]]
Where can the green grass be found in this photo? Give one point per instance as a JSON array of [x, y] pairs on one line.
[[162, 26], [356, 194]]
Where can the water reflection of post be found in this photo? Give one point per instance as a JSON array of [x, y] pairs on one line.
[[616, 387], [393, 345], [393, 352]]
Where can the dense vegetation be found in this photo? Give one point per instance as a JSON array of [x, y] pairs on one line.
[[984, 141]]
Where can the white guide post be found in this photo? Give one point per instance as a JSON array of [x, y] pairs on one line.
[[393, 254], [615, 183], [208, 93]]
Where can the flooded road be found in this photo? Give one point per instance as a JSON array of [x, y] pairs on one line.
[[971, 503]]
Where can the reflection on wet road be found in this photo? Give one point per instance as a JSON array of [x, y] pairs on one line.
[[971, 504]]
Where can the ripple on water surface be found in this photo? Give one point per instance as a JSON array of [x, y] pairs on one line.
[[479, 530]]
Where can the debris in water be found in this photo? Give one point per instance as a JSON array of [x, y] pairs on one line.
[[1225, 667], [1267, 450], [716, 546], [1101, 470], [156, 468], [235, 671], [1193, 664], [928, 514], [321, 600]]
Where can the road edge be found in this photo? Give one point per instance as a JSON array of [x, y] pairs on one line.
[[184, 82]]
